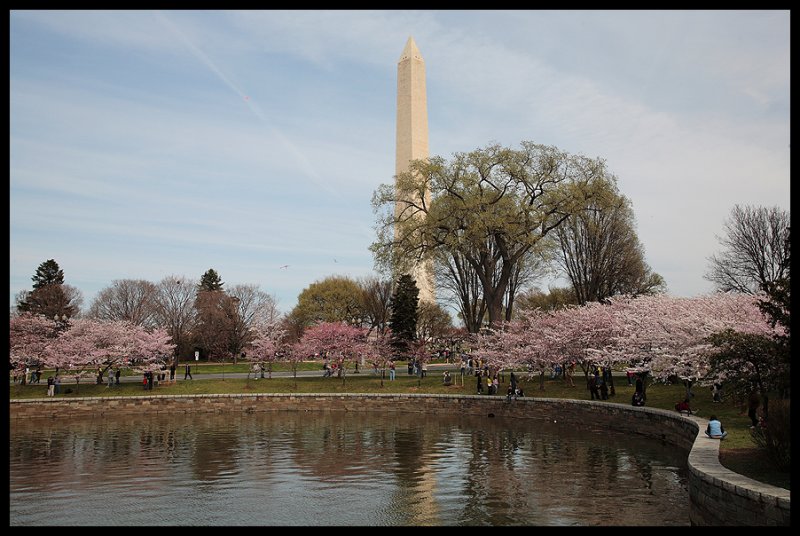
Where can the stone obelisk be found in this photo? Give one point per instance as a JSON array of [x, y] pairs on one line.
[[412, 139]]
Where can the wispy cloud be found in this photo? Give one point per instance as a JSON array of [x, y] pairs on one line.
[[175, 141]]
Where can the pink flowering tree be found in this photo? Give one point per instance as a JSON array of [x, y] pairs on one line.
[[93, 346], [540, 340], [81, 348], [341, 342], [268, 345], [586, 335], [149, 350], [29, 336], [379, 350], [670, 336], [660, 335], [419, 351]]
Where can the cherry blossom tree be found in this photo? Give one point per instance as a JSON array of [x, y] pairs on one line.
[[95, 346], [379, 350], [339, 340], [29, 336], [541, 339], [151, 349], [669, 336], [267, 345], [418, 351], [663, 335]]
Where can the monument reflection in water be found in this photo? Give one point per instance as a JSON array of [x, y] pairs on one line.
[[307, 468]]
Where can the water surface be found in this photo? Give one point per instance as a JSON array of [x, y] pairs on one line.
[[314, 468]]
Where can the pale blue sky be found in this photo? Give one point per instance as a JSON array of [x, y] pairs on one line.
[[145, 144]]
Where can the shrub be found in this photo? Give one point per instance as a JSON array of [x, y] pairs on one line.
[[774, 435]]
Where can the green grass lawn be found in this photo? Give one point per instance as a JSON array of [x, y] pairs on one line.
[[737, 451]]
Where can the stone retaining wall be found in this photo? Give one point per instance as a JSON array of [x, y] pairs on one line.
[[717, 495]]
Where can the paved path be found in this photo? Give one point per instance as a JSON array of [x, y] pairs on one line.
[[66, 380]]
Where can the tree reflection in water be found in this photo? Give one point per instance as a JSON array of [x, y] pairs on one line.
[[338, 468]]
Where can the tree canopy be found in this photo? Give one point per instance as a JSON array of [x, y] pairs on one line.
[[600, 252], [333, 299], [490, 207]]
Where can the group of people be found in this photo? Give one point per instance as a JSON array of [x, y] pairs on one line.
[[53, 385], [35, 375], [599, 382], [417, 368], [329, 369]]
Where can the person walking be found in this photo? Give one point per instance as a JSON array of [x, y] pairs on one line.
[[391, 370], [117, 375], [188, 373], [110, 378]]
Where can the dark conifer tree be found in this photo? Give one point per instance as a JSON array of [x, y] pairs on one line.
[[403, 320], [210, 281], [48, 273]]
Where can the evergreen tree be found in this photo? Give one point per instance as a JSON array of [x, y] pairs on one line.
[[48, 273], [50, 296], [403, 320], [210, 281]]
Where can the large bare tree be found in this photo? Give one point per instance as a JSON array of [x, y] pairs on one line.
[[254, 308], [492, 206], [216, 322], [754, 253], [376, 302], [462, 287], [600, 252], [433, 322], [174, 310], [132, 300], [459, 284]]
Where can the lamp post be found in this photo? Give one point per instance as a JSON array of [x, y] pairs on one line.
[[61, 321]]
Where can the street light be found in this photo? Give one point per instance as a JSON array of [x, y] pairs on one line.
[[61, 322]]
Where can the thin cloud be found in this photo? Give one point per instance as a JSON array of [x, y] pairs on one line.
[[247, 140]]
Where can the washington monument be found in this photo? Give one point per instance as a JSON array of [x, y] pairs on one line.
[[412, 139]]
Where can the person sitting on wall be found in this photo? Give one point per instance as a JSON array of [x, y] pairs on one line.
[[715, 430]]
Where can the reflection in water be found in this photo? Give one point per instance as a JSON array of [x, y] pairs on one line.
[[306, 468]]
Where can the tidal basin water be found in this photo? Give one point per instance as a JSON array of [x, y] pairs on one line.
[[319, 468]]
